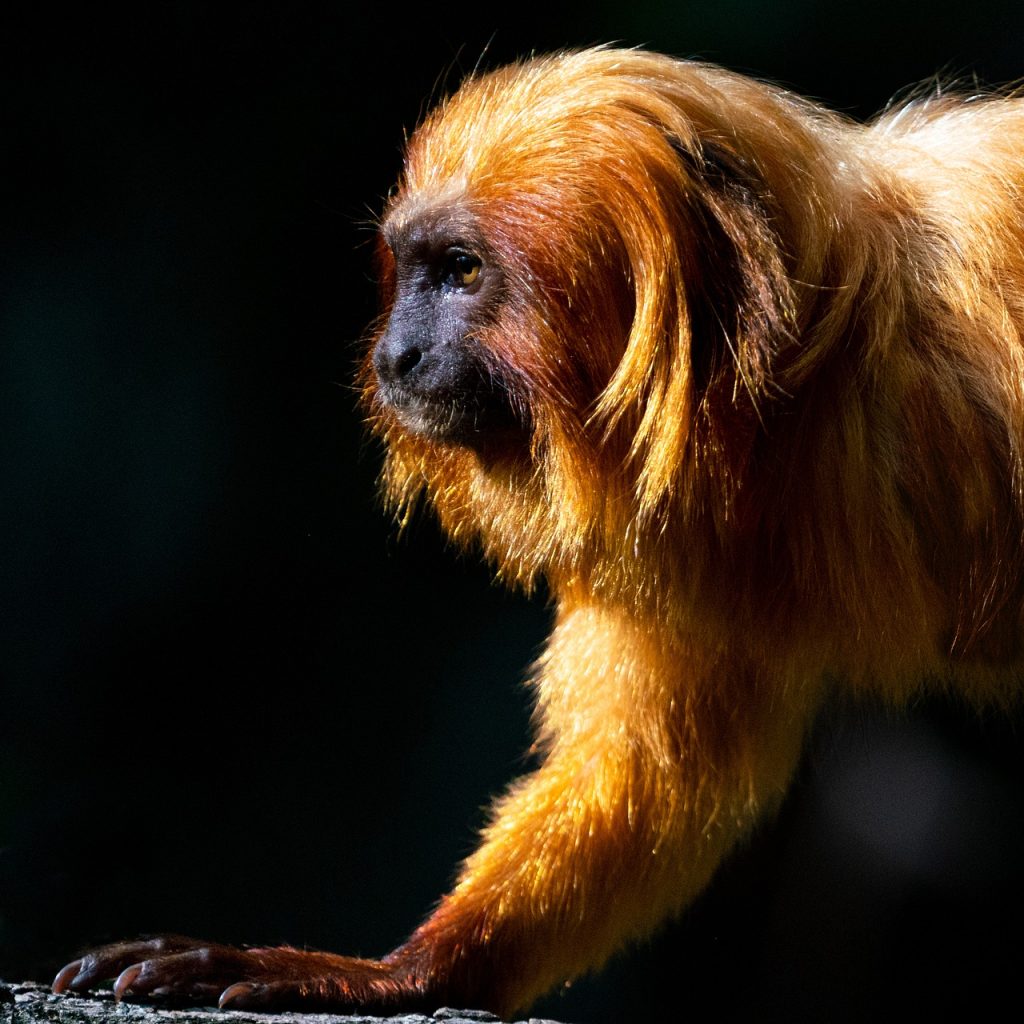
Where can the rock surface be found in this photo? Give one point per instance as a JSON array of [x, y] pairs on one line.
[[30, 1003]]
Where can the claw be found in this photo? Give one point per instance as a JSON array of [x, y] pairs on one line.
[[125, 980], [66, 977], [237, 992]]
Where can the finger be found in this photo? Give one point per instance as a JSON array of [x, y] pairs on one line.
[[304, 994], [125, 979], [243, 995], [65, 976], [195, 975], [110, 961]]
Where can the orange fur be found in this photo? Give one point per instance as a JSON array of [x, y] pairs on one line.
[[775, 373]]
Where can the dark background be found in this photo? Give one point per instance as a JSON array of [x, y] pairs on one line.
[[234, 704]]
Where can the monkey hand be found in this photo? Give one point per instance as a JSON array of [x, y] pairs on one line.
[[178, 971]]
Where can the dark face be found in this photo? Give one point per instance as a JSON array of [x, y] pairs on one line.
[[432, 370]]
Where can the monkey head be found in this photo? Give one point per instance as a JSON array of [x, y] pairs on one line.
[[586, 287], [433, 373]]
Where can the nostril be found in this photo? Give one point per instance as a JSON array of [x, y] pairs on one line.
[[399, 357], [408, 360]]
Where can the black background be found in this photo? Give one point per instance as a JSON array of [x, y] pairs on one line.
[[234, 704]]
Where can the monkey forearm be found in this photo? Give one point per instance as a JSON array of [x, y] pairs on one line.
[[569, 870], [568, 873], [602, 843]]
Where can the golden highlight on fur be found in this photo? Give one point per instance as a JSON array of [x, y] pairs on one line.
[[770, 369]]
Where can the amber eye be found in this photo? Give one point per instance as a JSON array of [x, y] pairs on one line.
[[461, 269]]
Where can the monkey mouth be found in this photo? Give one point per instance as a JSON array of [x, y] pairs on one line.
[[452, 418], [432, 418]]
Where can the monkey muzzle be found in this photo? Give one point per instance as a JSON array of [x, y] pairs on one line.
[[446, 392]]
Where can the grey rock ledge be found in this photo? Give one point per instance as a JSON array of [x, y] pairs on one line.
[[31, 1003]]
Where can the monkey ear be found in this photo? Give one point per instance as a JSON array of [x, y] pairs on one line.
[[714, 308]]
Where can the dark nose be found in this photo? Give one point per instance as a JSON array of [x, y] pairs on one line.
[[397, 356]]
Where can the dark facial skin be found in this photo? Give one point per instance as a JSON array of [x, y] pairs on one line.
[[432, 371]]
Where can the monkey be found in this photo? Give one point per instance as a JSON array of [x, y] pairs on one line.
[[742, 381]]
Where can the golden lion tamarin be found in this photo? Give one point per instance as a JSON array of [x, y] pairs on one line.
[[744, 382]]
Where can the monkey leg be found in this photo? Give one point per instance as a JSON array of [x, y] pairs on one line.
[[659, 757]]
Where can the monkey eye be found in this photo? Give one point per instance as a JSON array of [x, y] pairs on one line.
[[461, 269]]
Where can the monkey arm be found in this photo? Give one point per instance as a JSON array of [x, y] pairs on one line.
[[659, 759]]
